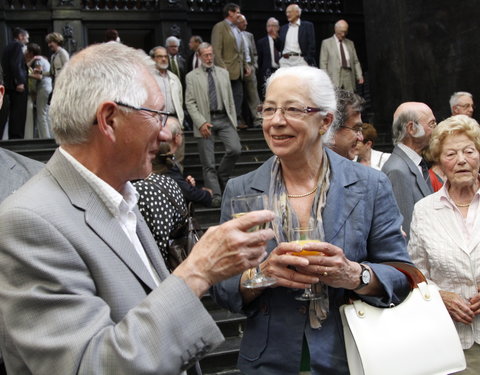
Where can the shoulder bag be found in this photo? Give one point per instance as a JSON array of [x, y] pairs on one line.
[[416, 337]]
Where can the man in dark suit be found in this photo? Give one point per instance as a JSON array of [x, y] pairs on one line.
[[412, 127], [176, 62], [297, 40], [268, 54], [15, 78], [193, 61]]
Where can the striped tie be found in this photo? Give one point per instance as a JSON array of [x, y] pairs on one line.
[[212, 92]]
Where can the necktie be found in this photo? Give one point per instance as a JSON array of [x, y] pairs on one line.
[[174, 66], [342, 55], [212, 92], [426, 175], [195, 58]]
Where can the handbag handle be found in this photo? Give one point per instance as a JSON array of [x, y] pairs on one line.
[[414, 275]]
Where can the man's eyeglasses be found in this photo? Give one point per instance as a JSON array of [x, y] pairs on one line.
[[466, 105], [267, 112], [161, 116], [356, 129]]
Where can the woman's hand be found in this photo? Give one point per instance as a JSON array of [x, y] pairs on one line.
[[283, 266], [458, 308], [475, 303], [332, 266]]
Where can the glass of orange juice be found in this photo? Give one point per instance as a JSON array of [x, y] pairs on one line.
[[303, 236]]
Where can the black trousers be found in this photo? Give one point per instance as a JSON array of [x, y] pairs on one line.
[[17, 114]]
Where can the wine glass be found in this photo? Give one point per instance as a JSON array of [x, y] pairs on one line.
[[240, 206], [303, 236]]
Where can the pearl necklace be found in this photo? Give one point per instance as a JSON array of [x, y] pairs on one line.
[[303, 195], [462, 205]]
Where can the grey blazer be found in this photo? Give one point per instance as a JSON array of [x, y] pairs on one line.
[[408, 184], [75, 298], [330, 60], [196, 97], [15, 170]]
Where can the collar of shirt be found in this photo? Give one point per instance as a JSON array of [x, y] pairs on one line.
[[411, 154], [444, 198], [117, 203], [204, 68], [296, 23]]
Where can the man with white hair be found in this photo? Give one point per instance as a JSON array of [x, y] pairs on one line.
[[296, 40], [84, 287], [461, 103], [268, 54], [413, 123], [177, 63], [171, 89], [338, 58]]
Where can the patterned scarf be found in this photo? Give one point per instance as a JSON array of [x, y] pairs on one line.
[[285, 218]]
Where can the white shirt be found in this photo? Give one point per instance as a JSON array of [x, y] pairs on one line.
[[291, 39], [272, 52], [445, 246], [164, 82], [412, 155], [248, 58], [120, 205], [347, 55]]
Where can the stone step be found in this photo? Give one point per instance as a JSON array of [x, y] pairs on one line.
[[245, 156]]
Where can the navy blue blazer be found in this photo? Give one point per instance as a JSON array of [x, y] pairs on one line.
[[306, 40], [264, 58], [362, 218]]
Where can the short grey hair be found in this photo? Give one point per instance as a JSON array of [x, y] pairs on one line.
[[99, 73], [457, 95], [203, 45], [296, 7], [317, 84], [172, 39], [174, 125], [399, 126], [347, 102], [274, 20], [152, 51]]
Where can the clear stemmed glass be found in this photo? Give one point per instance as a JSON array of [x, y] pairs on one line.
[[303, 236], [240, 206]]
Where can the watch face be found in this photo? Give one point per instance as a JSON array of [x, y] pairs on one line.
[[366, 276]]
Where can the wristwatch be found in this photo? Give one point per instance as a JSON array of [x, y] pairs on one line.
[[365, 277]]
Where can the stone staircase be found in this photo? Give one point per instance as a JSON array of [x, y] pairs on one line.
[[221, 361]]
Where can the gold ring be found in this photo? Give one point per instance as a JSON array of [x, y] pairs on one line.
[[325, 273]]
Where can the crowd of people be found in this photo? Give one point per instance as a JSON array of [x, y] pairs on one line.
[[85, 285]]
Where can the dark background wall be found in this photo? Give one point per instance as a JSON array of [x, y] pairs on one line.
[[422, 50]]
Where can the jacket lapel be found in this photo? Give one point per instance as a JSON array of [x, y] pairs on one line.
[[342, 196], [420, 181], [444, 216], [97, 215]]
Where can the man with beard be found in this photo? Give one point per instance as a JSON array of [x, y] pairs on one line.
[[209, 102], [171, 89]]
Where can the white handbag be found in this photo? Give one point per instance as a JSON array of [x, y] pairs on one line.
[[416, 337]]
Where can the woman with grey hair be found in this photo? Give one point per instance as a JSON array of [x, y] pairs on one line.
[[352, 209], [445, 231]]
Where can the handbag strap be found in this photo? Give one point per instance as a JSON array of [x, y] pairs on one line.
[[414, 275]]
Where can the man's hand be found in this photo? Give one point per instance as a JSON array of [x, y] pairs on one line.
[[360, 81], [248, 70], [190, 180], [20, 88], [205, 130], [226, 250]]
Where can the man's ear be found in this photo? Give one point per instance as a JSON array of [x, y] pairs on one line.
[[410, 128], [107, 119]]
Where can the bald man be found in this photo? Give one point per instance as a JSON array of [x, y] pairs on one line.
[[413, 123], [339, 59]]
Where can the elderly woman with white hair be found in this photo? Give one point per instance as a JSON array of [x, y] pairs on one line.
[[352, 209], [445, 231]]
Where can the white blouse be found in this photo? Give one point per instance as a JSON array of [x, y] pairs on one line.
[[446, 248]]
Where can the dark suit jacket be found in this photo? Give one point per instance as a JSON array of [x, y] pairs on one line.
[[264, 58], [14, 67], [182, 67], [360, 216], [306, 40], [408, 184]]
